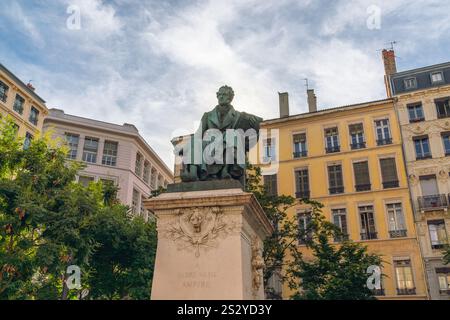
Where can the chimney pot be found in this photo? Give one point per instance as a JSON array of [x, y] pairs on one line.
[[284, 104], [312, 100]]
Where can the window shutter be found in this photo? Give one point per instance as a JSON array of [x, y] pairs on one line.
[[388, 170], [361, 170]]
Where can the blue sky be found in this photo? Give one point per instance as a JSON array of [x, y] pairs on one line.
[[158, 64]]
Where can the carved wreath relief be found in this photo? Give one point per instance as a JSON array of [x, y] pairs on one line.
[[198, 228]]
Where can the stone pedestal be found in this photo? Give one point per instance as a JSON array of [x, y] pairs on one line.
[[209, 245]]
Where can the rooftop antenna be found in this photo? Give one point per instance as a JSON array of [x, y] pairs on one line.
[[306, 83], [392, 43]]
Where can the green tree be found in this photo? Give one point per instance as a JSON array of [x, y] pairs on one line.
[[332, 271], [335, 272], [48, 222], [447, 255]]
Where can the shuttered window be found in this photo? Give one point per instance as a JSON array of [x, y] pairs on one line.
[[389, 173], [362, 179], [270, 183], [335, 179], [302, 183]]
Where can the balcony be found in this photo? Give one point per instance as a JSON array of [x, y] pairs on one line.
[[383, 142], [390, 184], [378, 292], [438, 246], [363, 187], [336, 190], [424, 156], [332, 149], [301, 154], [432, 202], [398, 233], [302, 194], [369, 235], [406, 291], [358, 145]]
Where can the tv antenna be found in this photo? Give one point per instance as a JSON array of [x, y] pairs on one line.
[[306, 83]]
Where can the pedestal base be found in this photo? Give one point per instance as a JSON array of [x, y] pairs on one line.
[[209, 245]]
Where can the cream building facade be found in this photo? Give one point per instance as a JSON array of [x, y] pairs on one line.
[[114, 153], [422, 101], [20, 101]]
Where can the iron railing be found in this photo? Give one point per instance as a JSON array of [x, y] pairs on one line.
[[406, 291], [398, 233], [369, 235], [358, 145], [300, 154], [363, 187], [332, 149], [432, 202]]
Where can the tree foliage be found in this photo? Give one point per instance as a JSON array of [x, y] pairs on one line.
[[48, 222], [331, 271]]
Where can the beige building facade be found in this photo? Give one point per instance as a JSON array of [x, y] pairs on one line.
[[422, 102], [113, 153], [20, 101]]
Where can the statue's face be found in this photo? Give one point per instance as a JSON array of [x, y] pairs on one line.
[[224, 97]]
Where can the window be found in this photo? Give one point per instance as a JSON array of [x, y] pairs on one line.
[[405, 281], [444, 281], [143, 212], [368, 230], [389, 173], [302, 184], [72, 141], [410, 83], [269, 150], [90, 150], [397, 228], [422, 146], [146, 175], [154, 179], [340, 220], [304, 227], [443, 107], [18, 104], [335, 180], [135, 202], [332, 140], [362, 178], [415, 112], [446, 142], [85, 181], [383, 132], [270, 183], [357, 136], [27, 141], [438, 235], [3, 91], [110, 153], [138, 164], [300, 145], [437, 77], [34, 116]]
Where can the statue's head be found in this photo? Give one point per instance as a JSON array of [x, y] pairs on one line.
[[225, 95]]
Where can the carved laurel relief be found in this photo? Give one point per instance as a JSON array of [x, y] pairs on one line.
[[199, 228]]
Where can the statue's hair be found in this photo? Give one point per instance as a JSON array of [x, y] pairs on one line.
[[227, 88]]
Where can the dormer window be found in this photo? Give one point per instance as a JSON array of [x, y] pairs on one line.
[[437, 77], [410, 83]]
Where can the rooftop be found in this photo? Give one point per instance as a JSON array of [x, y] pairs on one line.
[[328, 110], [21, 84]]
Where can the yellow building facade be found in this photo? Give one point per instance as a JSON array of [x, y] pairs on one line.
[[350, 159], [19, 101]]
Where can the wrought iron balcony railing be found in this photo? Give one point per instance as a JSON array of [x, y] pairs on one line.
[[390, 184], [378, 292], [383, 142], [363, 187], [336, 190], [301, 154], [369, 235], [358, 145], [432, 202], [302, 194], [398, 233], [406, 291], [333, 149]]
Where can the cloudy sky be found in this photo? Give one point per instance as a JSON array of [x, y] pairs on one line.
[[157, 64]]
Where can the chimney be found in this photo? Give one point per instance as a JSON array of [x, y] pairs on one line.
[[284, 104], [30, 86], [390, 68], [312, 100]]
